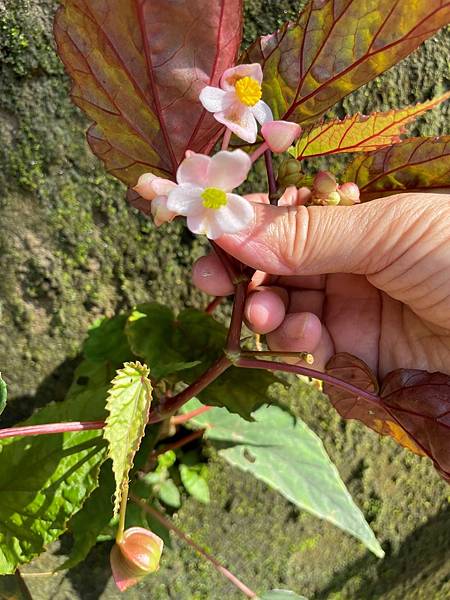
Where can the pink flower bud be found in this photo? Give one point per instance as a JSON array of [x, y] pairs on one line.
[[324, 184], [161, 214], [149, 186], [280, 135], [333, 199], [137, 555], [349, 193]]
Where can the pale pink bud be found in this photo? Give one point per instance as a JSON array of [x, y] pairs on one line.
[[280, 135], [349, 193], [150, 186], [324, 184], [137, 555], [161, 214]]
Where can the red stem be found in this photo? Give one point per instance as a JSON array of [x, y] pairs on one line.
[[234, 332], [270, 365], [180, 419], [216, 564], [47, 428], [271, 178], [213, 304], [179, 443]]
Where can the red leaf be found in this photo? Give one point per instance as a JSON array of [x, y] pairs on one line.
[[137, 68], [336, 46], [417, 164]]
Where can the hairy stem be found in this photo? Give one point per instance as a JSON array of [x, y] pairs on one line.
[[216, 564], [180, 419], [47, 428], [170, 405], [250, 363]]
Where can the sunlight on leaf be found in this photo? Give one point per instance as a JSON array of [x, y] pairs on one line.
[[3, 394], [359, 133], [128, 405], [280, 595]]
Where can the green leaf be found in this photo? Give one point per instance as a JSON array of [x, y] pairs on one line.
[[416, 165], [128, 405], [359, 133], [194, 340], [284, 453], [334, 48], [281, 595], [169, 494], [107, 341], [88, 523], [195, 483], [45, 480], [3, 394], [12, 587]]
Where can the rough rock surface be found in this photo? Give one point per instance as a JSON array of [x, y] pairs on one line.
[[71, 250]]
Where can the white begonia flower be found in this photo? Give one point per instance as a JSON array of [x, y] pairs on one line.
[[203, 193], [237, 103]]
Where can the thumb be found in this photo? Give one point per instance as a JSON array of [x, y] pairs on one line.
[[360, 239]]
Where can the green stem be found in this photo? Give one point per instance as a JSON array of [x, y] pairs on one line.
[[216, 564], [123, 512]]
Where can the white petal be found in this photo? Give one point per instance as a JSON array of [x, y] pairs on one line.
[[194, 170], [205, 223], [241, 122], [212, 98], [229, 169], [236, 216], [262, 112], [230, 76], [185, 200]]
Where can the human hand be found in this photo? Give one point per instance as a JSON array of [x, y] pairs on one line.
[[372, 279]]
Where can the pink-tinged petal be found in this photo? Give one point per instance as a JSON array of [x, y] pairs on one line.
[[212, 98], [144, 186], [262, 112], [123, 572], [236, 216], [349, 194], [205, 223], [230, 76], [194, 170], [160, 213], [185, 200], [162, 187], [229, 169], [241, 122], [280, 135]]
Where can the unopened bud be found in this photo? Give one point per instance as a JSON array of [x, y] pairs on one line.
[[280, 135], [324, 184], [150, 186], [137, 555], [160, 213], [290, 173], [333, 199], [349, 193]]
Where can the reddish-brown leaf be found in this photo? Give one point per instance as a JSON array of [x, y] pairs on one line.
[[360, 133], [137, 68], [417, 164], [336, 46]]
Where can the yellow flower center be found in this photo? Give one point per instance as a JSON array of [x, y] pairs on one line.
[[248, 91], [214, 198]]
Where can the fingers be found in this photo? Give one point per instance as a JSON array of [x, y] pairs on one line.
[[209, 275], [299, 332], [265, 309]]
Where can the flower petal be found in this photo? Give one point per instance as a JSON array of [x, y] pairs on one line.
[[236, 215], [262, 112], [160, 213], [230, 76], [194, 170], [212, 98], [241, 122], [205, 223], [228, 169], [280, 135], [163, 186], [185, 200]]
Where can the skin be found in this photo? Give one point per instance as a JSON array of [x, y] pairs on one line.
[[372, 279]]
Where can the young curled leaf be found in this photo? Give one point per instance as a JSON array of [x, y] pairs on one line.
[[137, 68], [336, 47], [359, 133], [128, 405], [412, 407], [415, 165]]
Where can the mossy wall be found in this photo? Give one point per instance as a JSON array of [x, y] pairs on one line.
[[71, 250]]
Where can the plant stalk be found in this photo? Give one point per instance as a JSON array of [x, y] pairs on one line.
[[213, 305], [259, 152], [49, 428], [179, 443], [234, 332], [180, 419], [249, 363], [273, 196], [226, 139], [216, 564], [123, 512]]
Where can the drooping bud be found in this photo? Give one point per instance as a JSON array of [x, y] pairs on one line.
[[150, 186], [137, 555], [160, 213], [349, 193], [290, 173], [280, 135], [324, 184]]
